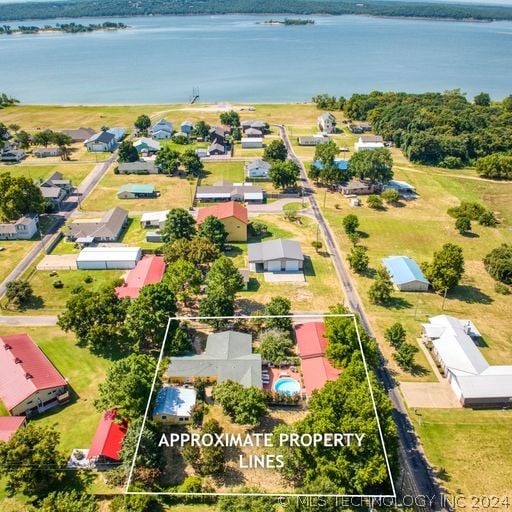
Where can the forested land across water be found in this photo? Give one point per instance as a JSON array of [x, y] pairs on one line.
[[73, 9], [443, 129], [69, 28]]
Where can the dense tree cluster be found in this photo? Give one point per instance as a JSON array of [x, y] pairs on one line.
[[436, 128], [19, 196], [496, 167], [243, 405], [284, 174], [73, 9], [343, 405], [275, 151], [326, 102], [375, 165], [499, 263]]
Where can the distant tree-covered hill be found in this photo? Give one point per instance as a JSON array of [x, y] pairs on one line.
[[82, 8]]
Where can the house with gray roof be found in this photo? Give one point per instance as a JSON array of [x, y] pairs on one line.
[[327, 123], [106, 229], [228, 191], [22, 229], [136, 191], [161, 130], [55, 188], [101, 142], [43, 152], [228, 356], [186, 127], [257, 169], [79, 134], [312, 140], [146, 146], [217, 134], [216, 149], [276, 256], [11, 155]]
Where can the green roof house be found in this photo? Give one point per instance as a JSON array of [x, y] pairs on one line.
[[136, 191]]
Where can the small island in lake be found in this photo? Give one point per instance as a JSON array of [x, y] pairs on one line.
[[287, 21], [68, 28]]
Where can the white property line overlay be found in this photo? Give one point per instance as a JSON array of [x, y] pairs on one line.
[[288, 495]]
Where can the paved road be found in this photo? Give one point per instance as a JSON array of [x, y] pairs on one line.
[[69, 206], [28, 321], [417, 478]]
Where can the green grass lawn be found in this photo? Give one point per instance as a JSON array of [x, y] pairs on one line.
[[50, 300], [135, 234], [13, 251], [229, 171], [174, 193], [76, 172], [418, 228], [471, 446]]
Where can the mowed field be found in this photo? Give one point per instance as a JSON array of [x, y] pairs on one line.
[[470, 450], [417, 229], [173, 192]]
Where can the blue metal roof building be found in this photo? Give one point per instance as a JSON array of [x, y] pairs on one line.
[[405, 274], [342, 165], [174, 404]]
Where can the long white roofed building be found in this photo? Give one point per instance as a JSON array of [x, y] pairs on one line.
[[473, 380]]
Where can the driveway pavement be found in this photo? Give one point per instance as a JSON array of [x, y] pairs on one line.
[[28, 321]]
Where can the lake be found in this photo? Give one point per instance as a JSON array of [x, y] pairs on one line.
[[160, 59]]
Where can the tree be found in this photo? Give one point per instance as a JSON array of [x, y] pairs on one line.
[[168, 160], [326, 153], [350, 223], [224, 277], [375, 165], [243, 405], [275, 346], [135, 503], [127, 386], [23, 139], [199, 250], [404, 356], [63, 142], [213, 458], [395, 335], [127, 152], [374, 201], [180, 139], [463, 225], [42, 138], [184, 279], [191, 162], [278, 306], [201, 129], [148, 453], [142, 123], [148, 315], [358, 259], [69, 500], [446, 269], [497, 166], [96, 318], [381, 289], [284, 174], [390, 195], [488, 219], [27, 456], [498, 263], [275, 151], [483, 99], [19, 197], [18, 292], [178, 224], [217, 304], [214, 230], [180, 343], [230, 118]]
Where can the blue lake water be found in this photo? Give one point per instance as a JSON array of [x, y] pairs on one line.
[[160, 59]]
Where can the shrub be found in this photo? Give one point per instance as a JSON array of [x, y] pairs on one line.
[[488, 219], [467, 209], [502, 289], [374, 201], [390, 195], [499, 263], [58, 284], [88, 279], [451, 162], [77, 289], [116, 170]]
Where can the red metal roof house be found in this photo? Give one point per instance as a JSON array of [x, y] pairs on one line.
[[149, 270], [9, 425], [311, 344], [29, 383], [108, 440]]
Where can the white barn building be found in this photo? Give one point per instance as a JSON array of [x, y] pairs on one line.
[[102, 258]]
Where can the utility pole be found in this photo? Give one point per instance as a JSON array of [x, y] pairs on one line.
[[444, 298]]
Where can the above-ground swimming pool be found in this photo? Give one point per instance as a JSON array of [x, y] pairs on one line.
[[287, 386]]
